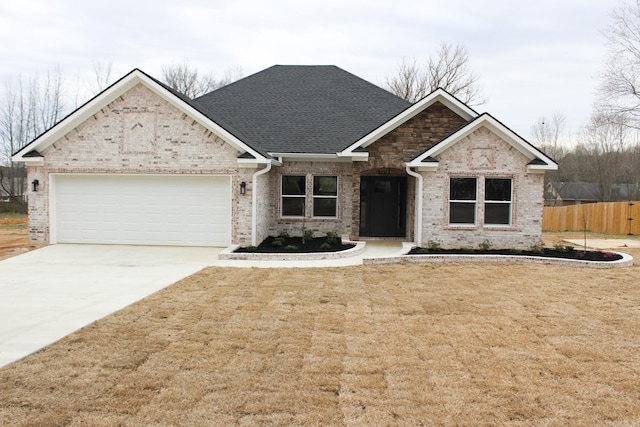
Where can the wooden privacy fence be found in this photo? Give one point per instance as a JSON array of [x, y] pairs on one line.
[[607, 217]]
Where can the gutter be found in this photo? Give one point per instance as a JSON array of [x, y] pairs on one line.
[[418, 214], [254, 203]]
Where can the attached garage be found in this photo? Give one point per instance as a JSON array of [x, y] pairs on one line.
[[177, 210]]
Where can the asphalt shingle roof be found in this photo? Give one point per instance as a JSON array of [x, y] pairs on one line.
[[300, 109]]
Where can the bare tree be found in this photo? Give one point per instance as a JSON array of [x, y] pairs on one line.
[[546, 134], [448, 68], [604, 140], [620, 81], [27, 109], [102, 74], [190, 82]]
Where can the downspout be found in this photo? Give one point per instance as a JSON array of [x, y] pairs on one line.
[[254, 203], [418, 214]]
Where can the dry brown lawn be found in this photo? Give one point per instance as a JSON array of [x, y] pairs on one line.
[[456, 344], [14, 237]]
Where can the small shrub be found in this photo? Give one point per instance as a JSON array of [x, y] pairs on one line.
[[278, 241], [251, 248], [434, 245], [307, 234], [284, 235], [485, 245], [332, 238], [291, 248], [423, 250], [325, 246], [515, 251], [537, 248], [561, 247]]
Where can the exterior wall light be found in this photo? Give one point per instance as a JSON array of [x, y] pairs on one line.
[[34, 185], [243, 187]]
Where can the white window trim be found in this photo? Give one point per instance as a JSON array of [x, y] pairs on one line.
[[497, 202], [293, 196], [475, 202], [314, 197]]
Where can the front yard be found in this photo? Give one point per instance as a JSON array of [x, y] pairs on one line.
[[453, 344]]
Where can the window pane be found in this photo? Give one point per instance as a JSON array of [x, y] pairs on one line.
[[463, 189], [293, 206], [497, 213], [324, 207], [462, 213], [497, 189], [325, 186], [293, 185]]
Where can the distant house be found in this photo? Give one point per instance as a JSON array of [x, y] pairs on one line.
[[285, 149], [577, 193]]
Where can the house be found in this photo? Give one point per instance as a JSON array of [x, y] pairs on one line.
[[577, 193], [285, 149]]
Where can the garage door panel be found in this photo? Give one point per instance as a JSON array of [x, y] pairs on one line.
[[155, 210]]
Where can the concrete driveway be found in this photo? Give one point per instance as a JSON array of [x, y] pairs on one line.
[[50, 292]]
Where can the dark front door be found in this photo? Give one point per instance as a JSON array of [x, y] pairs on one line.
[[383, 201]]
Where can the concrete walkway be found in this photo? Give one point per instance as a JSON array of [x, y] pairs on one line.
[[51, 292]]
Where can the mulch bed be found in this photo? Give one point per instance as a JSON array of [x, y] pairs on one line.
[[546, 252], [309, 246]]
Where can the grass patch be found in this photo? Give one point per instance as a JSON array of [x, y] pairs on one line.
[[451, 344], [13, 221]]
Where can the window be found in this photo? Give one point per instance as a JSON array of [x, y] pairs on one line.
[[462, 200], [293, 195], [325, 196], [497, 201]]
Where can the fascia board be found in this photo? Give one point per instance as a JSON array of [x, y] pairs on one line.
[[438, 95], [101, 101]]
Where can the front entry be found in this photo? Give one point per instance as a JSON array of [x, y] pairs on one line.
[[383, 202]]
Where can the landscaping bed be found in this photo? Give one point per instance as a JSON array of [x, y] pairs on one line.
[[287, 244], [581, 255]]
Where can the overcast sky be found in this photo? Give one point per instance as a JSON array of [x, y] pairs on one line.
[[533, 57]]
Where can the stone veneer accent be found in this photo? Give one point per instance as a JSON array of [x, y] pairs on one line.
[[401, 145]]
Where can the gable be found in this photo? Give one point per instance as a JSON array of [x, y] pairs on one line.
[[416, 135], [356, 150], [116, 90], [140, 130], [537, 160]]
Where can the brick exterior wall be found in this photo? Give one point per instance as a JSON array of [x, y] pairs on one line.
[[139, 133], [294, 226], [483, 155]]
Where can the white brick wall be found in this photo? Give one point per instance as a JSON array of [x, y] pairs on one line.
[[294, 226], [483, 154], [139, 133]]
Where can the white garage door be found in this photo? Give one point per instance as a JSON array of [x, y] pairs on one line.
[[142, 209]]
